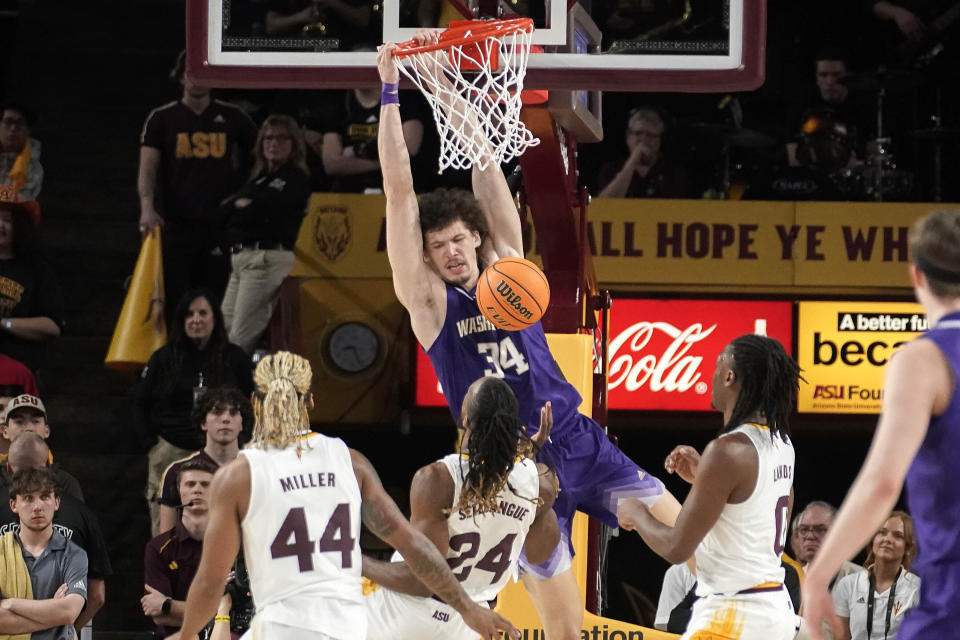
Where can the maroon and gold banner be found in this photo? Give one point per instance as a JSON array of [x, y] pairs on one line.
[[707, 244]]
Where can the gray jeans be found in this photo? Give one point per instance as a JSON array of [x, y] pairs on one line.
[[255, 277]]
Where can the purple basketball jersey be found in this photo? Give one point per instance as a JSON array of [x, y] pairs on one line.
[[470, 347], [933, 492]]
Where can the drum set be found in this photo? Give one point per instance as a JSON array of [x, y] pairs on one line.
[[830, 165]]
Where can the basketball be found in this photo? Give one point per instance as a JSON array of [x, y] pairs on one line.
[[513, 293]]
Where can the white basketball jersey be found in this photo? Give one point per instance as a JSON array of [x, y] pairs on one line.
[[301, 537], [743, 548], [484, 550]]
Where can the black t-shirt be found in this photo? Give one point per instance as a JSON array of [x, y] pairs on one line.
[[76, 522], [204, 158], [277, 204], [164, 397], [28, 289], [664, 180], [358, 126]]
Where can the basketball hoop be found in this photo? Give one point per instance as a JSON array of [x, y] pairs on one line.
[[473, 80]]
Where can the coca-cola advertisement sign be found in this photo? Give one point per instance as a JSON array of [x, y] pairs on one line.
[[662, 352]]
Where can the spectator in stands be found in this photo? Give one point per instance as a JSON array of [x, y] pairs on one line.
[[47, 586], [31, 304], [171, 558], [197, 356], [352, 120], [872, 603], [193, 154], [222, 414], [73, 519], [346, 21], [7, 393], [263, 220], [26, 414], [811, 527], [20, 165], [645, 173]]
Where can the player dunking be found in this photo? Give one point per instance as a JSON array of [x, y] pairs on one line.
[[296, 499], [917, 439], [435, 249], [736, 516], [480, 508]]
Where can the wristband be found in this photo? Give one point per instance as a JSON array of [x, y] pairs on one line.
[[388, 93], [221, 619], [165, 607]]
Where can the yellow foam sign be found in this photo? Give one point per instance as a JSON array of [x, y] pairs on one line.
[[843, 349]]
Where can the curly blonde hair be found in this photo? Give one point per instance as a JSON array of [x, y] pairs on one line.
[[280, 400]]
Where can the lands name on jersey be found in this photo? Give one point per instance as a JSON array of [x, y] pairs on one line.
[[782, 472]]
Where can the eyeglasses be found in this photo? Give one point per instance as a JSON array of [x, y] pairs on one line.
[[277, 137], [818, 530]]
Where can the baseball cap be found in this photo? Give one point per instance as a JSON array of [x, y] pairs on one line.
[[24, 400]]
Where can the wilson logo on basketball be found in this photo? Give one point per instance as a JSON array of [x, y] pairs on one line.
[[515, 300], [513, 293]]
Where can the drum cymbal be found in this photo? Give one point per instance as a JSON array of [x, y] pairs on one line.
[[734, 136], [936, 134], [889, 79]]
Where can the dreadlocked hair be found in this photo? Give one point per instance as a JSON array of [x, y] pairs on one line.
[[769, 381], [280, 400], [494, 444]]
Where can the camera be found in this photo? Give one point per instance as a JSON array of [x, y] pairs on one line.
[[242, 609]]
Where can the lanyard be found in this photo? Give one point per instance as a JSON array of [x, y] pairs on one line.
[[890, 599]]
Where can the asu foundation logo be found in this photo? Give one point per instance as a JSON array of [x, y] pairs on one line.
[[333, 232]]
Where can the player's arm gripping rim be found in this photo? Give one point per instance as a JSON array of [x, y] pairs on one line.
[[381, 515], [418, 289]]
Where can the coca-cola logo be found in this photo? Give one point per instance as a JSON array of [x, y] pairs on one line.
[[670, 369], [662, 353]]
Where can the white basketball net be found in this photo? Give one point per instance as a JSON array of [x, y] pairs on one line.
[[476, 108]]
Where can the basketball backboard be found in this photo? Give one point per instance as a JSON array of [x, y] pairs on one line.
[[645, 45]]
